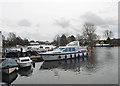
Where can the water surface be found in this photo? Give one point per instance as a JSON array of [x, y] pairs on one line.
[[100, 68]]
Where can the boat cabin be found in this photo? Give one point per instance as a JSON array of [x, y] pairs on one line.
[[24, 59]]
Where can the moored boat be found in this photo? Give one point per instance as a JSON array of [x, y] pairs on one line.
[[35, 46], [24, 61], [71, 50], [103, 45], [9, 65]]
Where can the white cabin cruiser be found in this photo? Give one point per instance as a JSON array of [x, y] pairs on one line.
[[71, 50], [24, 61]]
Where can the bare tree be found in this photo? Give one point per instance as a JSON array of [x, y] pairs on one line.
[[108, 34], [79, 37], [3, 37], [57, 40], [89, 33], [11, 36]]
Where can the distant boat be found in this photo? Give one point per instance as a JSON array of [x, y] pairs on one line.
[[71, 50], [9, 65], [103, 45], [40, 48], [24, 61]]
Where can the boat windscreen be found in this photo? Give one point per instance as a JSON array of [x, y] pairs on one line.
[[25, 60], [61, 48]]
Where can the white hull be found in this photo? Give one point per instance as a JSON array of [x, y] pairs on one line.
[[9, 70], [71, 50], [27, 64], [62, 57]]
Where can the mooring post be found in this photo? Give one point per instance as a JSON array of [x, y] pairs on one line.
[[33, 64], [75, 55], [82, 58]]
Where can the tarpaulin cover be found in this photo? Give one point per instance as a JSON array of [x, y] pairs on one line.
[[7, 63]]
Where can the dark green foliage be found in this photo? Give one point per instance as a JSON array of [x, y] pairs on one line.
[[71, 38], [63, 40]]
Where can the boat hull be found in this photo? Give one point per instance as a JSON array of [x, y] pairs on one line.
[[9, 70], [103, 45], [47, 57]]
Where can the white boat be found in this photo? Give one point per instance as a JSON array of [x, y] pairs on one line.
[[71, 50], [9, 65], [24, 61], [40, 48]]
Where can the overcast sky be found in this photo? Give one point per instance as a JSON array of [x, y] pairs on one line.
[[44, 19]]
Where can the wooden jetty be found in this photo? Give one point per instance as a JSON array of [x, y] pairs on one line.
[[34, 58]]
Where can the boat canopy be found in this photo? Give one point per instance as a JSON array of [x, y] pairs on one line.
[[9, 62]]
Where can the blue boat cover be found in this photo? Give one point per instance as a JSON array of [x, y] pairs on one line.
[[9, 62]]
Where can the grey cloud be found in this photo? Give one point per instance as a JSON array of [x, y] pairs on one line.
[[93, 18], [97, 20], [66, 23], [24, 23], [63, 23], [37, 25]]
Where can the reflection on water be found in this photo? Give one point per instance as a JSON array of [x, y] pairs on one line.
[[71, 64], [97, 69], [26, 71], [9, 78]]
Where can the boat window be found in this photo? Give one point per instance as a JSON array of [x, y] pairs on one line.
[[65, 50], [41, 47], [73, 49], [46, 47], [24, 60], [61, 48], [56, 52], [69, 49]]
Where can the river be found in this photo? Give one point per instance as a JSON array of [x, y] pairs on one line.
[[100, 68]]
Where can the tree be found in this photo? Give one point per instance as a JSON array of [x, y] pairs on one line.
[[108, 34], [57, 40], [81, 39], [89, 33], [26, 42], [63, 40], [17, 41], [3, 37], [71, 38], [11, 36]]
